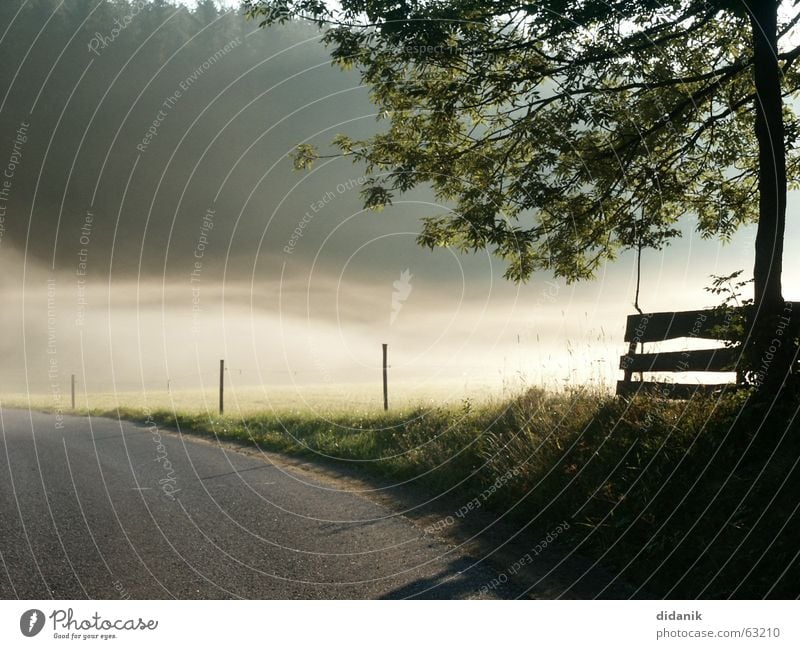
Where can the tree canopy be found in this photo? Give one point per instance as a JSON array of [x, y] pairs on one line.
[[91, 114], [562, 132]]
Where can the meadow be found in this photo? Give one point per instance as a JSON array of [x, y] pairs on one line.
[[680, 499]]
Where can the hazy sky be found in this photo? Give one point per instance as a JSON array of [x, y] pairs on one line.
[[170, 231]]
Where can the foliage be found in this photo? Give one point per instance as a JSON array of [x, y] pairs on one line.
[[736, 315], [90, 110], [560, 132]]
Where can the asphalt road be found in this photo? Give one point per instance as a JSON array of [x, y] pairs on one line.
[[99, 508]]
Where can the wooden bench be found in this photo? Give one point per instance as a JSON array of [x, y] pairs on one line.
[[668, 325]]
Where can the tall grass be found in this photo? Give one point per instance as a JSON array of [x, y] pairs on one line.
[[682, 499]]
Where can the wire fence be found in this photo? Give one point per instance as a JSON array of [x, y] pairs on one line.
[[248, 389]]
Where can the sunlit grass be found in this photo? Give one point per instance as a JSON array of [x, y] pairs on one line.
[[313, 400], [675, 495]]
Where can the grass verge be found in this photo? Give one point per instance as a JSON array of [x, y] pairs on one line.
[[682, 499]]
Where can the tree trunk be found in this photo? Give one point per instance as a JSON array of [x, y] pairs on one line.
[[769, 132]]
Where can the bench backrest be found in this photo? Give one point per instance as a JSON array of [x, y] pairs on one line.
[[668, 325]]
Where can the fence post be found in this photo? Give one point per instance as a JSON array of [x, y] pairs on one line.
[[221, 385], [385, 380], [72, 386]]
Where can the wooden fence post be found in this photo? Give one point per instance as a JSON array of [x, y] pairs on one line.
[[385, 380], [221, 385]]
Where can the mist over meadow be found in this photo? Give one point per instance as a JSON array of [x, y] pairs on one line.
[[152, 223]]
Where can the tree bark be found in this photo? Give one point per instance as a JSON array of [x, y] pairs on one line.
[[769, 131]]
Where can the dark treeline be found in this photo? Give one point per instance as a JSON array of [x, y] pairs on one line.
[[155, 103]]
